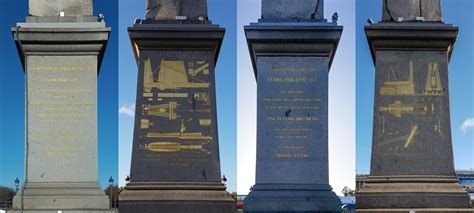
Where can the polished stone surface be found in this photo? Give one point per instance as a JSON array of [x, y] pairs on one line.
[[62, 121], [292, 140], [170, 9], [411, 121], [409, 10], [187, 146], [293, 117], [292, 9]]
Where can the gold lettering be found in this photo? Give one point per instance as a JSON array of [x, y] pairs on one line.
[[60, 80]]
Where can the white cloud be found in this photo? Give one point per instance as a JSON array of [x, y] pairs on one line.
[[466, 125], [127, 110]]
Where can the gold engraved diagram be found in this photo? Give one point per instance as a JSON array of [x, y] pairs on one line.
[[393, 86], [382, 132], [168, 110], [438, 128], [433, 81], [202, 66], [396, 87], [413, 131], [407, 139], [180, 135], [202, 96], [172, 95], [162, 110], [172, 75], [205, 122], [173, 147], [177, 146], [398, 108], [145, 123]]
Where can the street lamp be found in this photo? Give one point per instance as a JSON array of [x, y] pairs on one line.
[[17, 183], [111, 183]]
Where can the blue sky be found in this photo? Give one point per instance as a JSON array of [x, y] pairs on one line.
[[222, 12], [461, 81], [12, 96]]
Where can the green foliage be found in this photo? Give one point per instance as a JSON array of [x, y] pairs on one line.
[[234, 195], [6, 194]]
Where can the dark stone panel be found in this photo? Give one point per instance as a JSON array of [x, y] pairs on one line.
[[175, 137], [277, 200], [412, 131], [292, 120], [292, 136]]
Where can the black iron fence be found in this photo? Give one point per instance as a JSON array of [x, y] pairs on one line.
[[5, 205]]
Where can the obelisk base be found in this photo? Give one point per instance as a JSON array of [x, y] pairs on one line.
[[52, 197], [291, 198], [176, 198], [395, 193]]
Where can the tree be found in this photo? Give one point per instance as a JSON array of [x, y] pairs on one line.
[[346, 191], [115, 193], [234, 195], [6, 197], [6, 194]]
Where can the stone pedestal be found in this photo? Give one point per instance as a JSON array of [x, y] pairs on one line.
[[412, 157], [291, 61], [175, 160], [61, 62]]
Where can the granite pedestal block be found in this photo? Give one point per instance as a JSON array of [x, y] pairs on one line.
[[176, 197], [292, 198], [175, 160], [61, 63], [291, 63], [412, 157]]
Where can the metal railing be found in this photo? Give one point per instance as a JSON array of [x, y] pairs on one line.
[[6, 205]]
